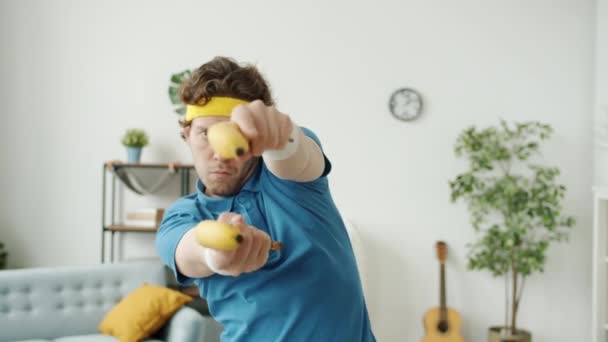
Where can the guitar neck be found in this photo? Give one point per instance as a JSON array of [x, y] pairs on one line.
[[442, 299]]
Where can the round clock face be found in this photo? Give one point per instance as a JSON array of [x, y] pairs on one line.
[[405, 104]]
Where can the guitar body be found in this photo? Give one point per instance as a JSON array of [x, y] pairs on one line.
[[436, 331], [442, 324]]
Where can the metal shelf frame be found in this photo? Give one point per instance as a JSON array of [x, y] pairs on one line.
[[112, 227]]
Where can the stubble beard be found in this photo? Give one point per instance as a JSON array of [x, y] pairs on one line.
[[231, 186]]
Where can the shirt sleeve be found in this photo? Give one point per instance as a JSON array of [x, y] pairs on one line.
[[295, 189], [313, 136], [178, 219]]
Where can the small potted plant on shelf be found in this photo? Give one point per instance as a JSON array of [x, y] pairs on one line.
[[134, 140], [515, 208]]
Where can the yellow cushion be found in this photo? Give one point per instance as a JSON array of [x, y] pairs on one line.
[[142, 312]]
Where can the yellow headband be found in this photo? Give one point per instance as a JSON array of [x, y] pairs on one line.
[[217, 106]]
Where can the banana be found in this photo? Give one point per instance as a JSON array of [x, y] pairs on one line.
[[223, 236], [226, 139], [218, 235]]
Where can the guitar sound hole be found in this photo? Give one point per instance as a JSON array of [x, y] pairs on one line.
[[442, 326]]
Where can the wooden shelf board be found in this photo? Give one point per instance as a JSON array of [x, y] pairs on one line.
[[117, 163], [124, 228]]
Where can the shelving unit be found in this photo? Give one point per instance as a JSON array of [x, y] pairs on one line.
[[126, 173], [599, 302]]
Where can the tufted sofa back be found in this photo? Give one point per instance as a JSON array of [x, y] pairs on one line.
[[60, 301]]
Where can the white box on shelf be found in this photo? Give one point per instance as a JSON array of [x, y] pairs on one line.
[[144, 217]]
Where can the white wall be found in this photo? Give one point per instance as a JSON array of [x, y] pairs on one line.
[[600, 152], [601, 91], [75, 74]]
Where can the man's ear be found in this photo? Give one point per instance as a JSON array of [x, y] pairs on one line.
[[185, 133]]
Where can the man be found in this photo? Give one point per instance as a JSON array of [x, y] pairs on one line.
[[309, 290]]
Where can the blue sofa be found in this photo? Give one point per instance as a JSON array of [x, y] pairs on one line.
[[66, 304]]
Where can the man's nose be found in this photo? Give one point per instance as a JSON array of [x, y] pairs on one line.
[[218, 157]]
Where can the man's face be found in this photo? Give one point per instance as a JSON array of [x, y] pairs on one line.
[[222, 177]]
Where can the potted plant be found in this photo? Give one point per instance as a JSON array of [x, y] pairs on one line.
[[515, 208], [175, 84], [134, 140], [3, 255]]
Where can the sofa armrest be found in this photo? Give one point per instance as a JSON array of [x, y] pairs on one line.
[[188, 325]]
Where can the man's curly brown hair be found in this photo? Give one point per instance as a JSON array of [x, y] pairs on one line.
[[223, 76]]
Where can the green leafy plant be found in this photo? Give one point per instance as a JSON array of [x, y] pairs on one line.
[[3, 256], [515, 204], [174, 85], [135, 138]]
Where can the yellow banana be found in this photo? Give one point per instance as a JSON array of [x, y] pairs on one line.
[[223, 236], [218, 235], [226, 139]]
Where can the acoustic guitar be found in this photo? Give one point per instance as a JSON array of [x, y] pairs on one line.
[[442, 324]]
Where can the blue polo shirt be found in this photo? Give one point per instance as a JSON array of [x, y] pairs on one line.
[[309, 291]]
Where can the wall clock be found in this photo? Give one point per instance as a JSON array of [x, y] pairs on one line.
[[405, 104]]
